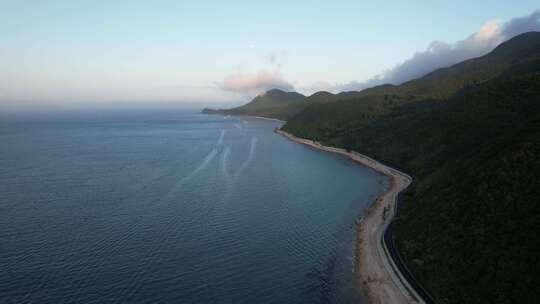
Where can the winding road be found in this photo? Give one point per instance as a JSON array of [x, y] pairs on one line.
[[378, 272]]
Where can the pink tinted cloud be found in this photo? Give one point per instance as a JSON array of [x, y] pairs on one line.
[[254, 83]]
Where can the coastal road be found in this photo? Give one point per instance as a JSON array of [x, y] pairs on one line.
[[378, 273], [379, 276]]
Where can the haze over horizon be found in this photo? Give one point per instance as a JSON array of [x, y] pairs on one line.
[[61, 54]]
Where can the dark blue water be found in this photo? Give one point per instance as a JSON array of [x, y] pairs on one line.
[[174, 207]]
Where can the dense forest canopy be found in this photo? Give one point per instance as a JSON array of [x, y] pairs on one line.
[[470, 134]]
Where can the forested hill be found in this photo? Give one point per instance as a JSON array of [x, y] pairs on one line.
[[279, 104], [274, 103], [356, 109], [470, 135]]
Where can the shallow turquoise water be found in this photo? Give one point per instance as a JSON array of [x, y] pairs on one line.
[[174, 207]]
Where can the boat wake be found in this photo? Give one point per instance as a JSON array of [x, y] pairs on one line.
[[207, 159], [220, 140], [224, 162], [249, 159]]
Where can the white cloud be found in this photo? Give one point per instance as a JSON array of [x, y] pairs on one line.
[[440, 54], [255, 83], [520, 25], [250, 84]]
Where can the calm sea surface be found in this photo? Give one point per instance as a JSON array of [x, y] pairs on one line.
[[174, 207]]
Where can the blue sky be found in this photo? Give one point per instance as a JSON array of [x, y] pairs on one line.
[[70, 52]]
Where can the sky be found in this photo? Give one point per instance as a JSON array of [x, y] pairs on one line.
[[67, 53]]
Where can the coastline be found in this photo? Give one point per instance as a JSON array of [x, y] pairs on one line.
[[267, 118], [250, 116], [377, 273]]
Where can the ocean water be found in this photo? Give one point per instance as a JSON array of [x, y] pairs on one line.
[[174, 207]]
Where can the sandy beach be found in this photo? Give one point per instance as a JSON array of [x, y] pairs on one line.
[[376, 271]]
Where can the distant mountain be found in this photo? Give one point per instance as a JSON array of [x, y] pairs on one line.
[[470, 135], [440, 84], [277, 104], [274, 104], [322, 97]]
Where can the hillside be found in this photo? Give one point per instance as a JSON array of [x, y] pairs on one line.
[[278, 104], [274, 103], [470, 135], [322, 97], [357, 109]]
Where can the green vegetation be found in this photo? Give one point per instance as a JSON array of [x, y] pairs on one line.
[[470, 134], [278, 104], [467, 228], [357, 109], [274, 103]]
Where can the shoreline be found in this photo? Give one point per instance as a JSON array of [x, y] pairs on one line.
[[377, 273], [266, 118], [250, 116]]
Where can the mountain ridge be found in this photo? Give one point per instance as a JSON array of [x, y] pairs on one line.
[[438, 84], [465, 227], [274, 103], [470, 135]]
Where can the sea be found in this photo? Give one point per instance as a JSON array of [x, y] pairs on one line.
[[155, 206]]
